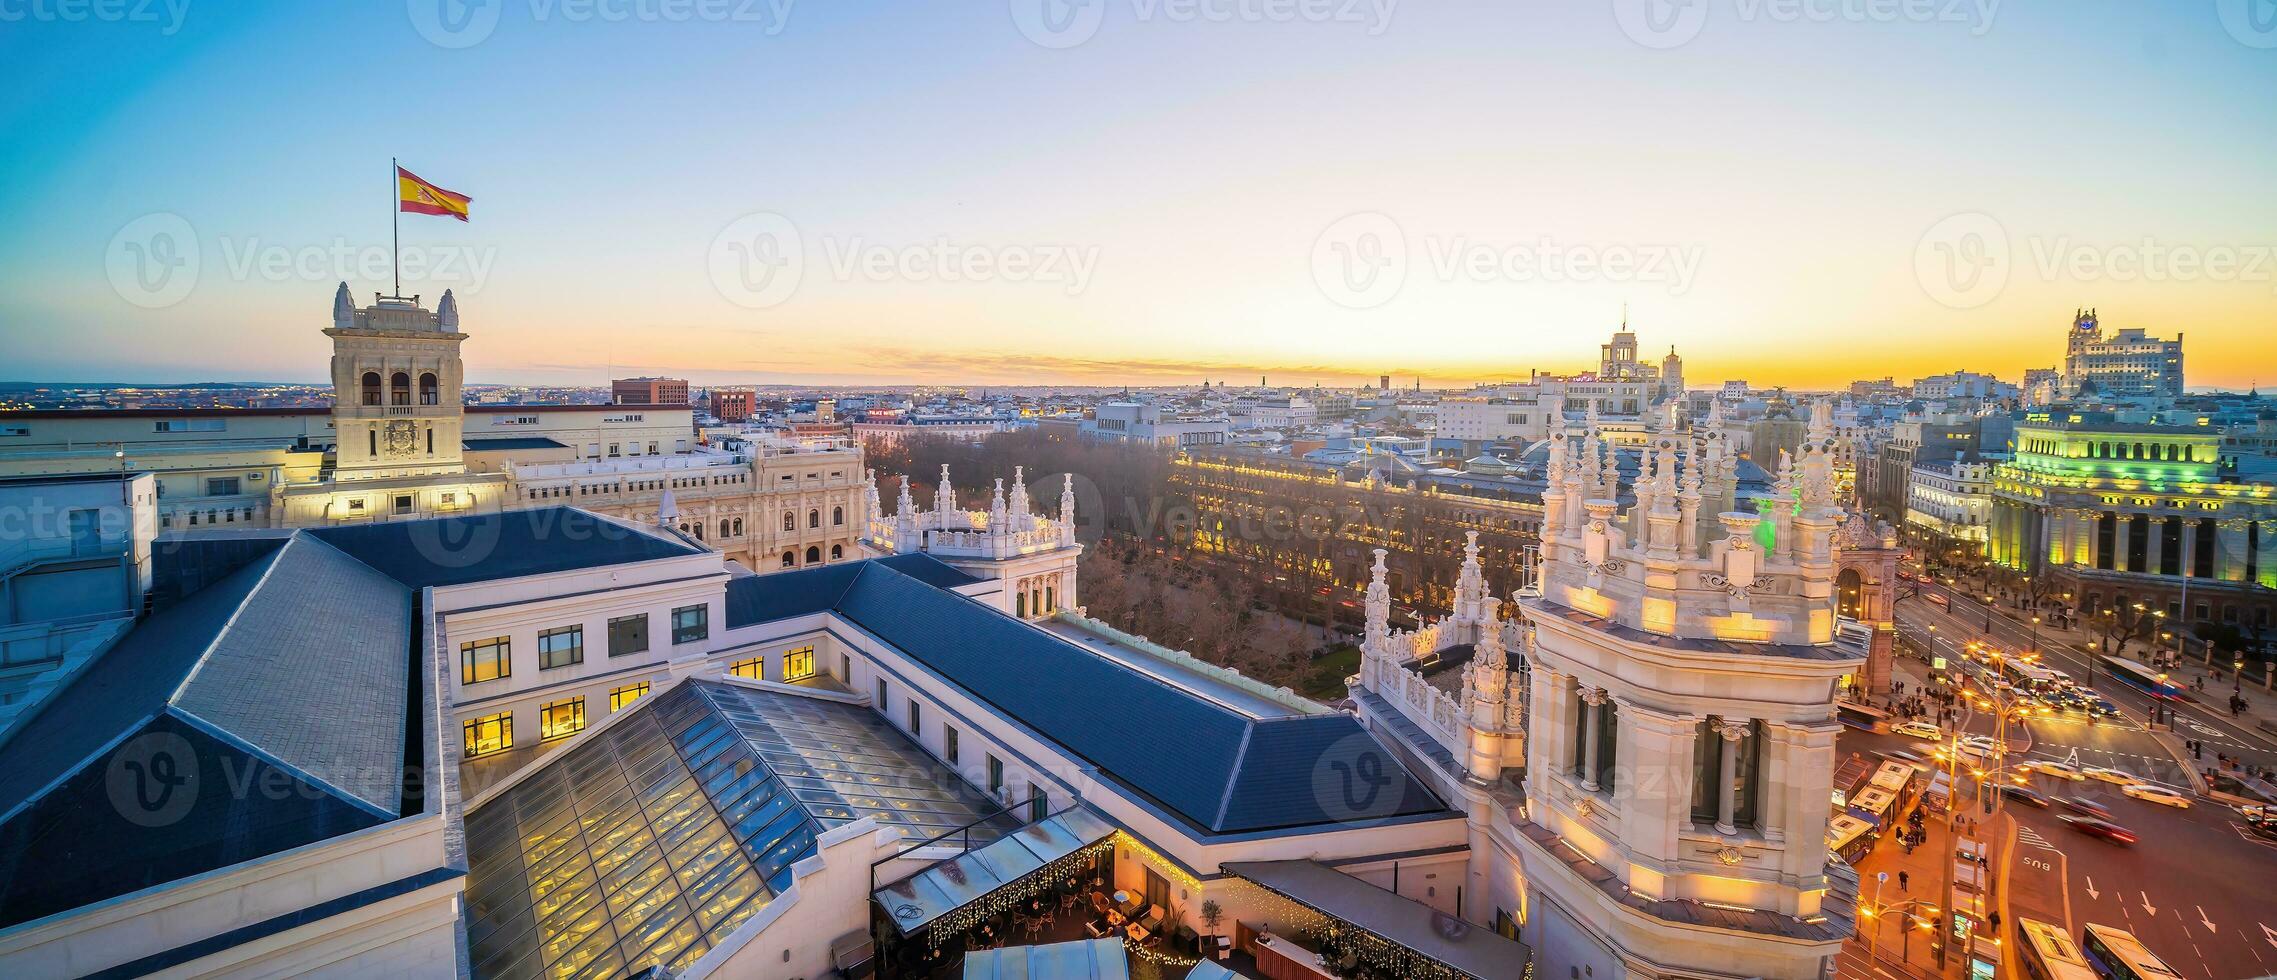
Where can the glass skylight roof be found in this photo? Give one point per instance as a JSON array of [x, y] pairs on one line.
[[654, 839]]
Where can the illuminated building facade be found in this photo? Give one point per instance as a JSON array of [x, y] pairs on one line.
[[1651, 743], [2124, 513], [1951, 502], [2128, 363]]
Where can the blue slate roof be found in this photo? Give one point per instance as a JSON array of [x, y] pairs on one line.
[[230, 684], [519, 442], [1219, 771], [753, 599], [448, 551]]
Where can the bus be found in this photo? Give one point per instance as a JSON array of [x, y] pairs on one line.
[[2142, 678], [2048, 954], [2117, 955]]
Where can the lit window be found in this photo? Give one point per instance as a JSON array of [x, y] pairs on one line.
[[564, 647], [690, 623], [798, 664], [754, 668], [490, 733], [628, 634], [485, 660], [619, 697], [562, 718]]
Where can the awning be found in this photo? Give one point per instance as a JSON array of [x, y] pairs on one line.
[[914, 902], [1088, 959], [1451, 941]]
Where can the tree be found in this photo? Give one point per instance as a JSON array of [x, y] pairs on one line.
[[2127, 623]]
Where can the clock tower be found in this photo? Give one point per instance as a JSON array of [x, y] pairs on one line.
[[396, 377]]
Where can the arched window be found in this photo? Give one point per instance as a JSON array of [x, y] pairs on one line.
[[837, 517], [790, 521], [789, 560], [813, 555], [739, 527], [371, 388], [429, 392], [837, 551], [814, 518], [1051, 599], [723, 529], [399, 389], [1020, 605], [699, 531]]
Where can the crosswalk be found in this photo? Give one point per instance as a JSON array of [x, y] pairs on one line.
[[2032, 837]]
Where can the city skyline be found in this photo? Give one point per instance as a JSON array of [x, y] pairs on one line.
[[1165, 228]]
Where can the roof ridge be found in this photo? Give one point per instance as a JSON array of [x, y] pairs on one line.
[[227, 737], [274, 559], [1233, 776]]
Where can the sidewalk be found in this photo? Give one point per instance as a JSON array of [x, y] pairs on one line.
[[1892, 938]]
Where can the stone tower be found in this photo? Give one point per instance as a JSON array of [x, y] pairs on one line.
[[396, 379]]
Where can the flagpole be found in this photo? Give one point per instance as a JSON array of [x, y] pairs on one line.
[[395, 208]]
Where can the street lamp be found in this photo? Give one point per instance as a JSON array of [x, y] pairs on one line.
[[2237, 677], [2035, 635]]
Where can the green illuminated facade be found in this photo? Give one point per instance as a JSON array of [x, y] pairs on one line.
[[2127, 512]]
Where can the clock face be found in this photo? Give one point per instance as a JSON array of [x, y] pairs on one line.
[[400, 439]]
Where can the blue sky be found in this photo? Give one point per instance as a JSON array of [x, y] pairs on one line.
[[1802, 158]]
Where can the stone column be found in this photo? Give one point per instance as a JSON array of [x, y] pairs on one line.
[[1593, 702], [1726, 792]]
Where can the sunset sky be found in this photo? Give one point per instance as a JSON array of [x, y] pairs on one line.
[[1157, 195]]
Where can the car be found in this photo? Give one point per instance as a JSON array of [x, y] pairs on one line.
[[1937, 599], [2024, 795], [2083, 805], [2100, 828], [2154, 793], [2050, 767], [2119, 776], [1919, 729]]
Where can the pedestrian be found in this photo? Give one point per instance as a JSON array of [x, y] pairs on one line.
[[1902, 878]]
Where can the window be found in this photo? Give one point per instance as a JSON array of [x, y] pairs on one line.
[[916, 718], [814, 518], [790, 560], [485, 660], [564, 647], [427, 390], [371, 388], [1039, 803], [790, 522], [949, 744], [628, 634], [995, 775], [881, 696], [690, 623], [190, 425], [403, 503], [837, 517], [813, 555], [837, 552], [754, 668], [619, 697], [562, 718], [489, 733], [798, 664]]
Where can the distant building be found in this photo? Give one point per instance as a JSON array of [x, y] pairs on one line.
[[889, 429], [1145, 423], [2126, 364], [1962, 385], [733, 404], [648, 391], [1950, 502]]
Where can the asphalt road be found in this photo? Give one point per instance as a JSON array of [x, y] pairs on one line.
[[2198, 889]]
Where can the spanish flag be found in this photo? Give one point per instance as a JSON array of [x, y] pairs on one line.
[[421, 197]]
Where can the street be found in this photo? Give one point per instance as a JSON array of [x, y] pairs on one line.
[[2196, 888]]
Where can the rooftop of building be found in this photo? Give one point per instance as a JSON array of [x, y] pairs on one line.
[[449, 551], [1232, 773], [123, 778]]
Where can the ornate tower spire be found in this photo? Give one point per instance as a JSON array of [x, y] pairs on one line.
[[870, 492], [945, 502], [667, 510], [447, 313], [1378, 633], [905, 505], [1470, 587], [343, 309], [1020, 496], [1067, 502], [996, 511]]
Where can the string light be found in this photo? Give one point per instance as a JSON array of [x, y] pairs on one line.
[[1059, 873]]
